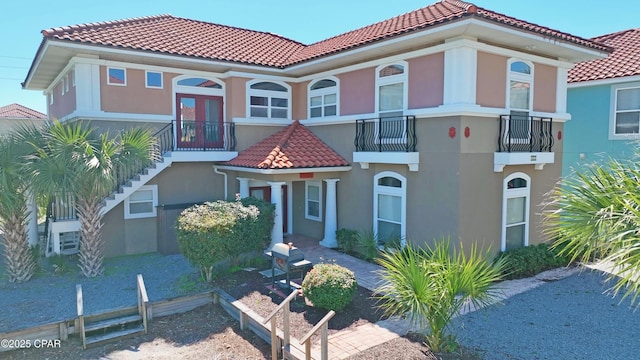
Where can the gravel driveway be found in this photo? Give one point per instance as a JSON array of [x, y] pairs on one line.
[[565, 319]]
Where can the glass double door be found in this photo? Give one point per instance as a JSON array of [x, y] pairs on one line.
[[199, 122]]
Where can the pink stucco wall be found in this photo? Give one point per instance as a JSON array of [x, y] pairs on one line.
[[357, 92], [235, 97], [545, 88], [135, 97], [63, 105], [299, 100], [491, 84], [426, 81]]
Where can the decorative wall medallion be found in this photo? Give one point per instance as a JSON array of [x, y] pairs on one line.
[[559, 134], [452, 132], [467, 132]]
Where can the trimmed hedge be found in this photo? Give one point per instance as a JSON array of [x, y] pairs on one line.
[[329, 286], [221, 230], [531, 260]]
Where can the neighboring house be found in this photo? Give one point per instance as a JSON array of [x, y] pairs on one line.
[[604, 102], [446, 120], [14, 115]]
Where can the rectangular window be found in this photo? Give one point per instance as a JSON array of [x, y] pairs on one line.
[[153, 79], [116, 76], [627, 116], [313, 202], [142, 203]]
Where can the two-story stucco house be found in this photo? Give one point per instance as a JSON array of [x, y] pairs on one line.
[[604, 101], [446, 120]]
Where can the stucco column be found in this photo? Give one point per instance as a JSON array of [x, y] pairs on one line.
[[244, 187], [276, 198], [330, 215], [32, 219]]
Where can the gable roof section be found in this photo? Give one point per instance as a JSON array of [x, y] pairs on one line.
[[290, 148], [623, 61], [179, 36], [17, 111]]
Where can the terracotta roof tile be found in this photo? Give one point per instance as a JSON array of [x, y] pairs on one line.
[[290, 148], [17, 111], [173, 35], [623, 61]]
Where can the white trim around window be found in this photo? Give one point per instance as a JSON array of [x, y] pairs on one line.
[[516, 195], [625, 106], [324, 98], [313, 200], [153, 79], [142, 203], [390, 205], [116, 76], [394, 84], [274, 103]]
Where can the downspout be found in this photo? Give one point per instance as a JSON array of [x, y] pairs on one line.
[[215, 170]]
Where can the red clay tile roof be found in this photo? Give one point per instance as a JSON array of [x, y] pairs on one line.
[[17, 111], [623, 61], [290, 148], [173, 35]]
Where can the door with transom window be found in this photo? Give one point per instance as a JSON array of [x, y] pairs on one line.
[[199, 123]]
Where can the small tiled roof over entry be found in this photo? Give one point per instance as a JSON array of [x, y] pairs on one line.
[[623, 61], [17, 111], [290, 148]]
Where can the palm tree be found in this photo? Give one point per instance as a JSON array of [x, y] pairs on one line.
[[595, 215], [431, 285], [19, 261], [74, 158]]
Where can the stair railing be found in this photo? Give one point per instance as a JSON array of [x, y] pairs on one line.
[[143, 301], [284, 306], [80, 309], [323, 326]]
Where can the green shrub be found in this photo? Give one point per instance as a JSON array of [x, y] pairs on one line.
[[367, 244], [267, 213], [329, 286], [346, 239], [216, 231], [531, 260]]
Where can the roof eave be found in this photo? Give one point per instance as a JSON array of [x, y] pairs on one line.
[[285, 171]]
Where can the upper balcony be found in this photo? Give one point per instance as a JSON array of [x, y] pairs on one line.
[[388, 140], [523, 140], [191, 140]]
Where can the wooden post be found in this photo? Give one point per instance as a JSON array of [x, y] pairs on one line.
[[274, 339], [80, 309], [285, 324], [324, 342], [307, 350]]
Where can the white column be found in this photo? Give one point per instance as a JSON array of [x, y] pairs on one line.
[[460, 72], [244, 187], [32, 220], [330, 215], [276, 198]]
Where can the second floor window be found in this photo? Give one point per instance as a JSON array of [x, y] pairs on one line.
[[391, 82], [520, 99], [627, 111], [268, 100], [116, 76], [323, 98]]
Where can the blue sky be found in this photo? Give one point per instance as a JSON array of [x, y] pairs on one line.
[[305, 21]]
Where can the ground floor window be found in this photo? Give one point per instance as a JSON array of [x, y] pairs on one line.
[[142, 203], [389, 205], [515, 211], [313, 200]]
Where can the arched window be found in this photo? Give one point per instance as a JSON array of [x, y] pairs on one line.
[[323, 98], [389, 205], [391, 88], [520, 99], [515, 211], [268, 100]]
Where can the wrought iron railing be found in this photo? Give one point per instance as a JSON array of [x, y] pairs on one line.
[[523, 133], [386, 134], [204, 136]]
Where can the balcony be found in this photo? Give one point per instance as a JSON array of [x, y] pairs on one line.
[[190, 140], [524, 140], [388, 140]]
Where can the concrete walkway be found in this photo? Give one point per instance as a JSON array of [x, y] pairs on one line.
[[346, 343]]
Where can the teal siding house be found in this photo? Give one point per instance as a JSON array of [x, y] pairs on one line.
[[603, 99]]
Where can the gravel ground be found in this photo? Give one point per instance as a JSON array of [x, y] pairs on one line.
[[50, 297], [565, 319]]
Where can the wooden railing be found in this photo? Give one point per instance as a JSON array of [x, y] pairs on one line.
[[143, 301], [284, 306], [80, 308], [323, 326]]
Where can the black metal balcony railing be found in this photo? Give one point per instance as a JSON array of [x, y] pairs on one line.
[[523, 133], [386, 134], [204, 136]]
